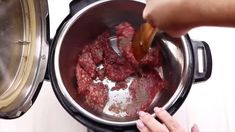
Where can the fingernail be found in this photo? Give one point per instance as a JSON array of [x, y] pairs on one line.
[[140, 124], [157, 109], [141, 113]]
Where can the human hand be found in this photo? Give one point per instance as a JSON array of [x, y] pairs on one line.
[[177, 17], [147, 123], [168, 15]]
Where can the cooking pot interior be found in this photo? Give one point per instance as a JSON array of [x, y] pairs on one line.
[[105, 16]]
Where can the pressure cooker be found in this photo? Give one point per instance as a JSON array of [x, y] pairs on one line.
[[28, 56]]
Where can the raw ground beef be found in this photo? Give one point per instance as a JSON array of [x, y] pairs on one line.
[[97, 96], [85, 60], [83, 79], [128, 54], [118, 72], [110, 57], [124, 32], [97, 48], [116, 68], [152, 58], [143, 88], [119, 85], [100, 73], [86, 48]]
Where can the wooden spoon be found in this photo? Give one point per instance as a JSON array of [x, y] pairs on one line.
[[142, 40]]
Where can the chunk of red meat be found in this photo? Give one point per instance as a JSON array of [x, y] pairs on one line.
[[128, 54], [120, 85], [97, 52], [86, 48], [86, 62], [125, 29], [97, 48], [101, 73], [117, 72], [117, 68], [152, 58], [97, 96], [103, 39], [124, 32], [83, 79], [110, 57]]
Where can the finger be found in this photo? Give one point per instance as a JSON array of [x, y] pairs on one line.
[[147, 9], [167, 119], [146, 12], [141, 127], [177, 33], [149, 19], [195, 128], [151, 123], [165, 126]]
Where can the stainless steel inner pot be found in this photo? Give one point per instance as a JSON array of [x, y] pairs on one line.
[[103, 15]]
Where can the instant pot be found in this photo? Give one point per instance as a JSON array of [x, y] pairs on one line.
[[28, 57]]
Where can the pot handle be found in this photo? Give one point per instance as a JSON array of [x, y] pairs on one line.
[[77, 5], [203, 61]]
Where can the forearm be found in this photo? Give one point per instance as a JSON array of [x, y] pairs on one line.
[[212, 12], [182, 15]]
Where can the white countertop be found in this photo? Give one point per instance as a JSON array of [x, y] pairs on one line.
[[210, 104]]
